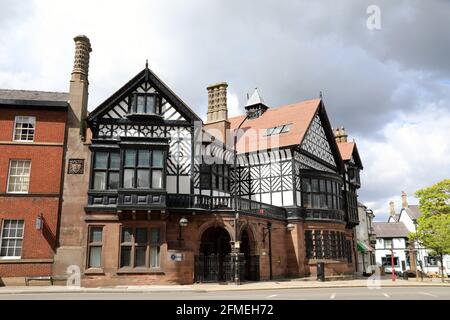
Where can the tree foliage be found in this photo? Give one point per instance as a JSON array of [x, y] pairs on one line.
[[433, 226]]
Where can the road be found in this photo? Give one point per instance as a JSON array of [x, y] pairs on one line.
[[399, 293]]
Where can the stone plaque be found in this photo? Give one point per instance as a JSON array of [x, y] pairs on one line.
[[76, 166]]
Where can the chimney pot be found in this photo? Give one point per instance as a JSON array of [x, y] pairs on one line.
[[392, 208]]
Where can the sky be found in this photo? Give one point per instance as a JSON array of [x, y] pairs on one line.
[[388, 86]]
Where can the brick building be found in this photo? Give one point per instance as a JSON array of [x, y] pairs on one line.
[[32, 136], [151, 194], [161, 199]]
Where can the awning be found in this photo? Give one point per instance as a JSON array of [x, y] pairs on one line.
[[363, 247]]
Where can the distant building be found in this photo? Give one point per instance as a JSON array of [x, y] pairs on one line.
[[365, 237], [396, 231]]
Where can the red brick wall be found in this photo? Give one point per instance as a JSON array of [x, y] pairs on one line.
[[25, 269], [45, 178], [50, 125]]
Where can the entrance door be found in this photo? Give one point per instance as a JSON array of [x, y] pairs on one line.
[[214, 260]]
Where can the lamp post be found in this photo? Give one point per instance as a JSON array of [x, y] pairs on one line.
[[236, 244], [269, 229], [392, 260], [182, 224]]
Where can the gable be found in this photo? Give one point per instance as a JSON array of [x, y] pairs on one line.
[[117, 106], [316, 142]]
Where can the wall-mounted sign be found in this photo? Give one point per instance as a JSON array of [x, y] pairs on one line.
[[175, 256], [76, 166]]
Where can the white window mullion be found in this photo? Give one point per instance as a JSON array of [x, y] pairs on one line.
[[11, 239], [24, 128], [19, 176]]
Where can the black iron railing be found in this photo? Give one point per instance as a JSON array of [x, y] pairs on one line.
[[224, 203]]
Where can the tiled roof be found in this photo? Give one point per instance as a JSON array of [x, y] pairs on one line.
[[413, 212], [390, 230], [346, 150], [299, 115], [7, 94]]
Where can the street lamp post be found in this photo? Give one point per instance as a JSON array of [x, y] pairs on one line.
[[392, 260], [236, 244]]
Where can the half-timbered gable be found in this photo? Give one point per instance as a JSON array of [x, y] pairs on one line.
[[302, 156], [143, 145]]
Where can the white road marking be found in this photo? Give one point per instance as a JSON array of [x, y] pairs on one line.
[[386, 295], [429, 294], [272, 296], [333, 296]]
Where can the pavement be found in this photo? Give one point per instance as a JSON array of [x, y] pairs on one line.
[[297, 284]]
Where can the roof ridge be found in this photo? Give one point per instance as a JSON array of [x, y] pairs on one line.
[[26, 90], [280, 107]]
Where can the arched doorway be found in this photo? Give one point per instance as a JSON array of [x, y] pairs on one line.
[[213, 263], [215, 240], [251, 267]]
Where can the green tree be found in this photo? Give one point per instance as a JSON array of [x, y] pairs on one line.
[[433, 226]]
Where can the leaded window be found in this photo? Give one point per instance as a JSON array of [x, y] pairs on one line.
[[24, 128], [324, 244]]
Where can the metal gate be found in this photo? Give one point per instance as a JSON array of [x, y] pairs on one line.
[[220, 268]]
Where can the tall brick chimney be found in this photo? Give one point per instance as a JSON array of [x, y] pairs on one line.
[[79, 83], [217, 102], [217, 123], [404, 200], [72, 229]]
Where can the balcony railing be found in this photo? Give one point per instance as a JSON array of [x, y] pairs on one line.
[[224, 203]]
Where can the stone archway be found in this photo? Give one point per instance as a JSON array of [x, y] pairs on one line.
[[215, 240], [213, 262], [249, 250]]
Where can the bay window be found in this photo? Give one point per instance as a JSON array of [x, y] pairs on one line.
[[321, 193], [143, 169], [106, 171]]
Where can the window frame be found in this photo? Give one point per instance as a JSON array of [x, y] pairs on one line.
[[91, 244], [108, 170], [133, 245], [312, 196], [2, 225], [15, 129], [157, 103], [9, 177], [136, 167]]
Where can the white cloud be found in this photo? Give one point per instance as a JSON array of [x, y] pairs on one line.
[[365, 78], [414, 153]]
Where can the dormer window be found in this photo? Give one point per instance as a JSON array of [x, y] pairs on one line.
[[145, 104], [279, 129]]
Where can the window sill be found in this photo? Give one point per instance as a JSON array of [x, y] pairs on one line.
[[94, 271], [140, 271], [18, 260]]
